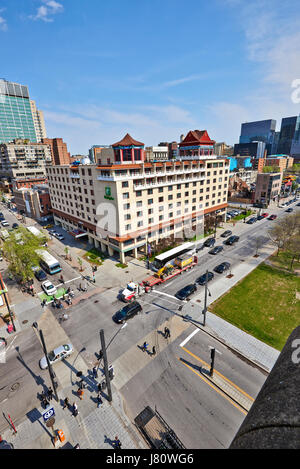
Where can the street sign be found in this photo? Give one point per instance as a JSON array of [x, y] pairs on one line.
[[48, 413]]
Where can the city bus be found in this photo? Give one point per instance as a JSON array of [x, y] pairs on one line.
[[169, 256], [48, 262]]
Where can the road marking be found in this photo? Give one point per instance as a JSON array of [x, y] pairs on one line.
[[216, 389], [189, 337], [218, 373], [166, 294]]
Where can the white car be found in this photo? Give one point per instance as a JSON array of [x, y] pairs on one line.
[[4, 223], [48, 287], [56, 355], [59, 236]]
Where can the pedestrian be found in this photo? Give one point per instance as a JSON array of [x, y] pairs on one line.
[[99, 400], [153, 350], [66, 403], [50, 393], [75, 409], [145, 346], [167, 333], [80, 393], [99, 387], [44, 302], [62, 279], [117, 443], [95, 374]]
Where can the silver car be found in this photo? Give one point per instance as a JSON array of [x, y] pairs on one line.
[[56, 355]]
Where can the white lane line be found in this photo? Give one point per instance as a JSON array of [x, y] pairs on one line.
[[189, 337], [166, 294]]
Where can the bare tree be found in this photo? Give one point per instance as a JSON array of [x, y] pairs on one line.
[[259, 242]]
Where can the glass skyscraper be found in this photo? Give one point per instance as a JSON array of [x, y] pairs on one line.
[[289, 139], [16, 119], [259, 131]]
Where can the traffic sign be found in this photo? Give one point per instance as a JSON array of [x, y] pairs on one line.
[[48, 413]]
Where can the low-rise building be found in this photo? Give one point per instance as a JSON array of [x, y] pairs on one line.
[[125, 203], [23, 159], [34, 202], [282, 161], [268, 186]]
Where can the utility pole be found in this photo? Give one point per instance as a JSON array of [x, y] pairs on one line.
[[51, 372], [106, 372], [4, 291]]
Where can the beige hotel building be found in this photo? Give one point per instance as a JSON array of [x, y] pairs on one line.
[[123, 202]]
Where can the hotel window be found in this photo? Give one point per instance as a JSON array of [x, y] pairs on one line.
[[128, 227], [161, 208], [139, 204], [138, 193], [137, 154], [150, 201], [150, 221], [161, 189], [127, 216], [139, 214], [161, 217], [171, 215], [126, 195], [140, 223], [125, 184], [160, 199], [127, 154]]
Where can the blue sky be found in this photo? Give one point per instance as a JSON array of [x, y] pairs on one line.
[[153, 68]]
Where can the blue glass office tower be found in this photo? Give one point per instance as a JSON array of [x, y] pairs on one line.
[[259, 131], [289, 139], [16, 119]]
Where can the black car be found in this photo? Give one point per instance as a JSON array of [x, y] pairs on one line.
[[230, 241], [15, 226], [127, 312], [226, 233], [222, 267], [186, 291], [202, 280], [216, 250], [40, 275], [209, 242], [260, 217], [251, 221], [298, 205], [199, 247], [289, 210]]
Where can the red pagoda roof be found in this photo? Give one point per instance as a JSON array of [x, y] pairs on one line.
[[196, 137], [128, 141]]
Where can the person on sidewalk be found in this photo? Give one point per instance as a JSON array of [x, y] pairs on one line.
[[95, 374], [66, 403], [50, 393], [117, 443], [167, 333], [145, 347], [99, 401], [44, 302], [80, 393], [153, 350], [75, 409]]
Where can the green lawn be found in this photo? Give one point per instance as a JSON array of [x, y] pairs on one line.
[[94, 256], [264, 305]]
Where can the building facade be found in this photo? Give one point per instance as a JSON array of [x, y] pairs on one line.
[[268, 186], [129, 203], [222, 149], [259, 131], [39, 122], [252, 149], [34, 202], [22, 159], [160, 153], [16, 120], [282, 161], [59, 150], [289, 139]]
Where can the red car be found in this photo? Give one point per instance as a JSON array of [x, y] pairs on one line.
[[265, 215], [272, 217]]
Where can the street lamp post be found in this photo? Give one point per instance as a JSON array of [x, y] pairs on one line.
[[106, 372], [51, 372], [205, 299]]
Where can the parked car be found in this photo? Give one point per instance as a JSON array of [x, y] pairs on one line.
[[127, 312], [289, 210], [265, 215], [48, 288], [260, 217], [226, 233], [40, 275], [15, 226], [199, 247], [216, 250], [202, 279], [59, 236], [251, 221], [209, 242], [63, 351], [185, 292], [222, 267], [272, 217], [4, 223], [298, 205], [233, 239]]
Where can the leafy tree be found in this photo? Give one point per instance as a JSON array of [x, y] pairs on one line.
[[20, 252]]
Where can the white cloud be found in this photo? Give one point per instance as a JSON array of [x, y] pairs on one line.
[[3, 24], [46, 11]]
